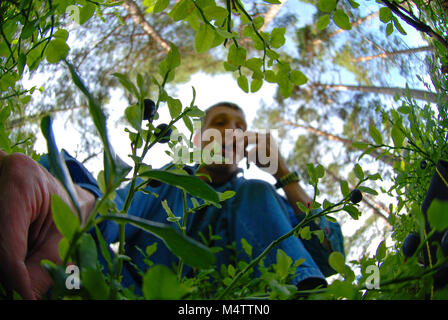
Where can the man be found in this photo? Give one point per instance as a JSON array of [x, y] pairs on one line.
[[256, 212]]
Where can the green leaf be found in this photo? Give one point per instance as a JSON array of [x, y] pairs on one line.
[[61, 34], [228, 194], [181, 10], [270, 76], [255, 85], [115, 168], [358, 172], [389, 28], [134, 116], [160, 5], [236, 56], [174, 106], [344, 188], [398, 26], [272, 1], [323, 22], [57, 165], [438, 214], [64, 219], [103, 248], [385, 14], [352, 211], [283, 263], [160, 283], [381, 251], [246, 247], [277, 37], [254, 64], [326, 5], [375, 134], [86, 12], [368, 190], [192, 252], [297, 77], [342, 20], [354, 4], [93, 280], [204, 38], [187, 121], [360, 145], [57, 50], [126, 83], [320, 171], [397, 136], [311, 172], [243, 83], [305, 233], [320, 235], [191, 184], [337, 262], [87, 254]]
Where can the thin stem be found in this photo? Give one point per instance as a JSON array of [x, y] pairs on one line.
[[183, 229]]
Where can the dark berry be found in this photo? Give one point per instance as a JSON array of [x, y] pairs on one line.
[[355, 196], [154, 183], [444, 243], [149, 110], [410, 244], [423, 164], [161, 137], [188, 170]]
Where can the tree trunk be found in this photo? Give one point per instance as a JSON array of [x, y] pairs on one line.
[[139, 19], [389, 160], [14, 123], [414, 93], [272, 13], [354, 24], [393, 53]]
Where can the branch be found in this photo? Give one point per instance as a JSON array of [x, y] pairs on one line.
[[393, 53], [139, 19], [389, 160], [417, 24], [271, 14]]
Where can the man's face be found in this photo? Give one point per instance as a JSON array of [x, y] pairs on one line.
[[225, 120]]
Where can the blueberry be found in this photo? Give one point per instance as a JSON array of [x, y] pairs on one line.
[[188, 170], [149, 110], [410, 244], [423, 164], [154, 183], [444, 243], [355, 196], [163, 138]]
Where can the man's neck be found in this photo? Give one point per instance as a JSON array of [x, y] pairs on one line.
[[218, 175]]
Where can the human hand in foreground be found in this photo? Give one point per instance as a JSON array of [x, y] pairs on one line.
[[27, 231]]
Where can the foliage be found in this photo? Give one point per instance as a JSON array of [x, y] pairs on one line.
[[32, 32]]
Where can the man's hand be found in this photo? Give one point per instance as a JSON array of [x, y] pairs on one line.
[[265, 154], [27, 231]]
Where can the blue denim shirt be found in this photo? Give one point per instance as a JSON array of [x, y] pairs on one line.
[[256, 213]]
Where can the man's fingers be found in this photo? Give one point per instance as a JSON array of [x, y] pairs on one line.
[[2, 154], [39, 277]]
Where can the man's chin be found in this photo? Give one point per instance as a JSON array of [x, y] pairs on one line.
[[222, 168]]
